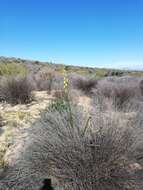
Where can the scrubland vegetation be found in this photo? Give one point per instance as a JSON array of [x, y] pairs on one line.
[[89, 136], [12, 69]]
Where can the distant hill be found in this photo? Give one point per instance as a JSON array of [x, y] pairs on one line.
[[33, 66]]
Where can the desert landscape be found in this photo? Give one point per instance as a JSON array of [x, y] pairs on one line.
[[80, 127], [71, 95]]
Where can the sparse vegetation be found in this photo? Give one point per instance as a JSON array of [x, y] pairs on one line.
[[89, 135]]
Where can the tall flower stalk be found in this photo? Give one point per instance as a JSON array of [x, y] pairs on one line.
[[67, 99]]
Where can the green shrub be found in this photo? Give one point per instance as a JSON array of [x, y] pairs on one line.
[[12, 69], [114, 73], [36, 62], [59, 105], [101, 72]]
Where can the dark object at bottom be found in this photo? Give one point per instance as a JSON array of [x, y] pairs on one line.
[[47, 185]]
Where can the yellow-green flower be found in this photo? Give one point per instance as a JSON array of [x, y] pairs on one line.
[[66, 81]]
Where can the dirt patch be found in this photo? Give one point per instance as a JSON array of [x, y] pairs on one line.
[[16, 118]]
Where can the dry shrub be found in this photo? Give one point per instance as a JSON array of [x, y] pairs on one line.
[[48, 80], [1, 121], [73, 95], [44, 80], [59, 94], [85, 84], [81, 152], [105, 88], [16, 90], [141, 87], [123, 94], [93, 153], [120, 92]]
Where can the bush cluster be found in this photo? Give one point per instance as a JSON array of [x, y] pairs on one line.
[[121, 93], [114, 73], [16, 87]]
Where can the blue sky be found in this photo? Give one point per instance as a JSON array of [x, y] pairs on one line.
[[97, 33]]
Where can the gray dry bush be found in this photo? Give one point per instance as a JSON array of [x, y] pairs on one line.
[[121, 91], [141, 87], [48, 80], [1, 124], [1, 121], [16, 90], [80, 151], [44, 80], [85, 84], [59, 94]]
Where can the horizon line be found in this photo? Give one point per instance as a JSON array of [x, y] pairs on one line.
[[75, 65]]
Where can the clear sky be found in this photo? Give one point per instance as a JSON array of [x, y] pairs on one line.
[[105, 33]]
